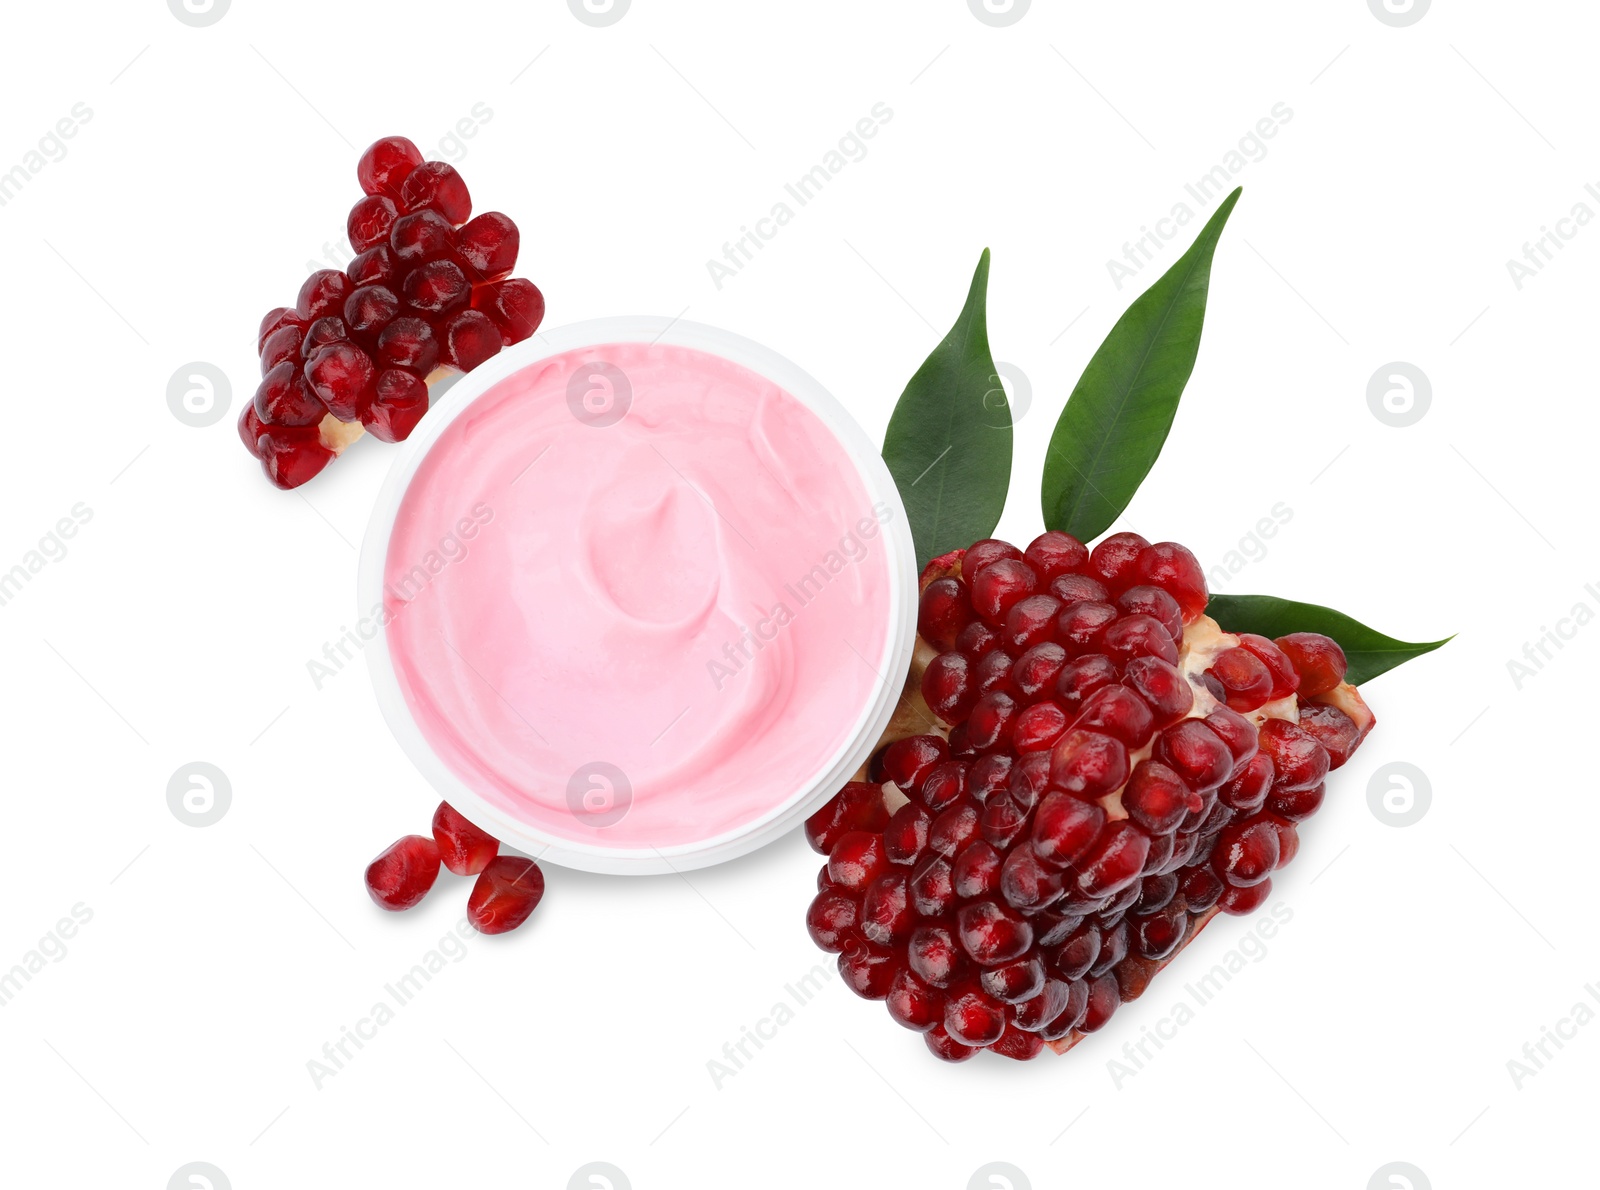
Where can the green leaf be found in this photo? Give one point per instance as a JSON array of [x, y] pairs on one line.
[[1369, 652], [948, 445], [1117, 418]]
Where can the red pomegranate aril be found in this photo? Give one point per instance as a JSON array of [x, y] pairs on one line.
[[1104, 999], [291, 455], [1025, 882], [282, 346], [948, 686], [1246, 852], [981, 553], [1245, 678], [976, 640], [515, 306], [1296, 805], [1030, 622], [1118, 711], [990, 776], [1246, 790], [1088, 764], [463, 848], [1074, 957], [1113, 949], [1195, 753], [999, 587], [1155, 893], [469, 339], [1081, 678], [933, 955], [1318, 660], [343, 376], [436, 186], [867, 970], [1238, 733], [1155, 603], [945, 1047], [1072, 1015], [1333, 729], [401, 876], [1300, 762], [375, 266], [1157, 798], [330, 328], [1162, 849], [944, 786], [830, 919], [886, 909], [1054, 553], [857, 859], [423, 236], [250, 427], [1284, 678], [1157, 936], [369, 309], [1288, 839], [1201, 888], [322, 293], [993, 672], [385, 164], [487, 246], [1081, 626], [1176, 571], [1135, 636], [1018, 1045], [370, 221], [285, 399], [912, 1003], [989, 724], [1028, 779], [1002, 822], [1115, 861], [399, 401], [1079, 588], [1240, 901], [932, 889], [1016, 981], [1163, 688], [1038, 1011], [1115, 559], [952, 829], [976, 871], [991, 933], [438, 287], [1064, 828], [1038, 727], [973, 1018], [943, 611], [857, 807], [908, 762], [505, 895], [906, 836], [276, 320], [408, 343], [1035, 672]]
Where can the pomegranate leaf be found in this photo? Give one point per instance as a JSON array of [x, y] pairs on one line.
[[948, 444], [1118, 416], [1368, 651]]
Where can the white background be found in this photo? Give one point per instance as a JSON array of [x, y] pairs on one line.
[[177, 627]]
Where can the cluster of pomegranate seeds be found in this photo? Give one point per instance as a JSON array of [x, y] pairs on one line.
[[429, 286], [508, 889], [1117, 771]]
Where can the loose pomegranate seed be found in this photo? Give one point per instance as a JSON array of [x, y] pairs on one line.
[[408, 343], [250, 427], [1284, 678], [285, 399], [403, 874], [506, 892], [1239, 901], [323, 293], [932, 954], [912, 1003], [369, 309], [291, 455], [1115, 560], [436, 186], [1300, 762], [946, 1047], [424, 236], [330, 328], [342, 375], [906, 836], [943, 611], [1089, 764], [515, 306], [1317, 659], [857, 807], [463, 848], [1157, 798], [886, 908], [1000, 586], [1333, 729], [375, 266], [830, 919], [1245, 678], [857, 859], [1030, 622], [438, 287], [487, 246], [277, 320], [908, 762], [1176, 571], [385, 165], [867, 970], [469, 339], [281, 346], [370, 221], [973, 1018], [1054, 554], [1115, 861]]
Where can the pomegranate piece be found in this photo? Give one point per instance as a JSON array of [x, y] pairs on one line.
[[487, 246], [515, 306], [386, 164], [463, 848], [402, 875], [507, 891], [436, 186]]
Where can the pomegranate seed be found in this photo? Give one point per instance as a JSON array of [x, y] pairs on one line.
[[1201, 888], [403, 874], [323, 293], [1036, 670], [1237, 732], [469, 339], [943, 611], [830, 919], [973, 1018], [1160, 684], [981, 553], [1157, 798], [952, 829], [463, 848], [421, 237], [277, 320], [946, 1047], [1246, 852], [912, 1003], [370, 221], [993, 672], [488, 246], [1285, 681], [250, 427], [330, 328], [285, 399], [1296, 805], [1239, 901], [1065, 827], [1162, 849], [1113, 949], [375, 266], [991, 933], [1081, 678], [439, 287], [385, 165], [398, 404], [1246, 790], [906, 836], [281, 346], [1196, 753], [1026, 883], [857, 859], [369, 309], [867, 970], [1317, 659], [436, 186], [1089, 764], [932, 954], [976, 872], [1073, 958], [857, 807], [515, 306], [908, 762], [1135, 636], [948, 687], [1288, 840], [506, 892], [1115, 560], [1155, 603], [1119, 712], [989, 725], [932, 887], [1079, 588], [1054, 554], [944, 787], [1155, 893], [1104, 999], [1071, 1016], [1028, 780], [1115, 860], [1157, 936], [1245, 678], [342, 375], [1333, 729], [1014, 982], [1000, 586], [1080, 626], [886, 909], [976, 640], [292, 455], [1038, 728], [1030, 622], [1034, 1014], [1002, 822], [408, 343], [991, 776], [1300, 762], [1176, 571]]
